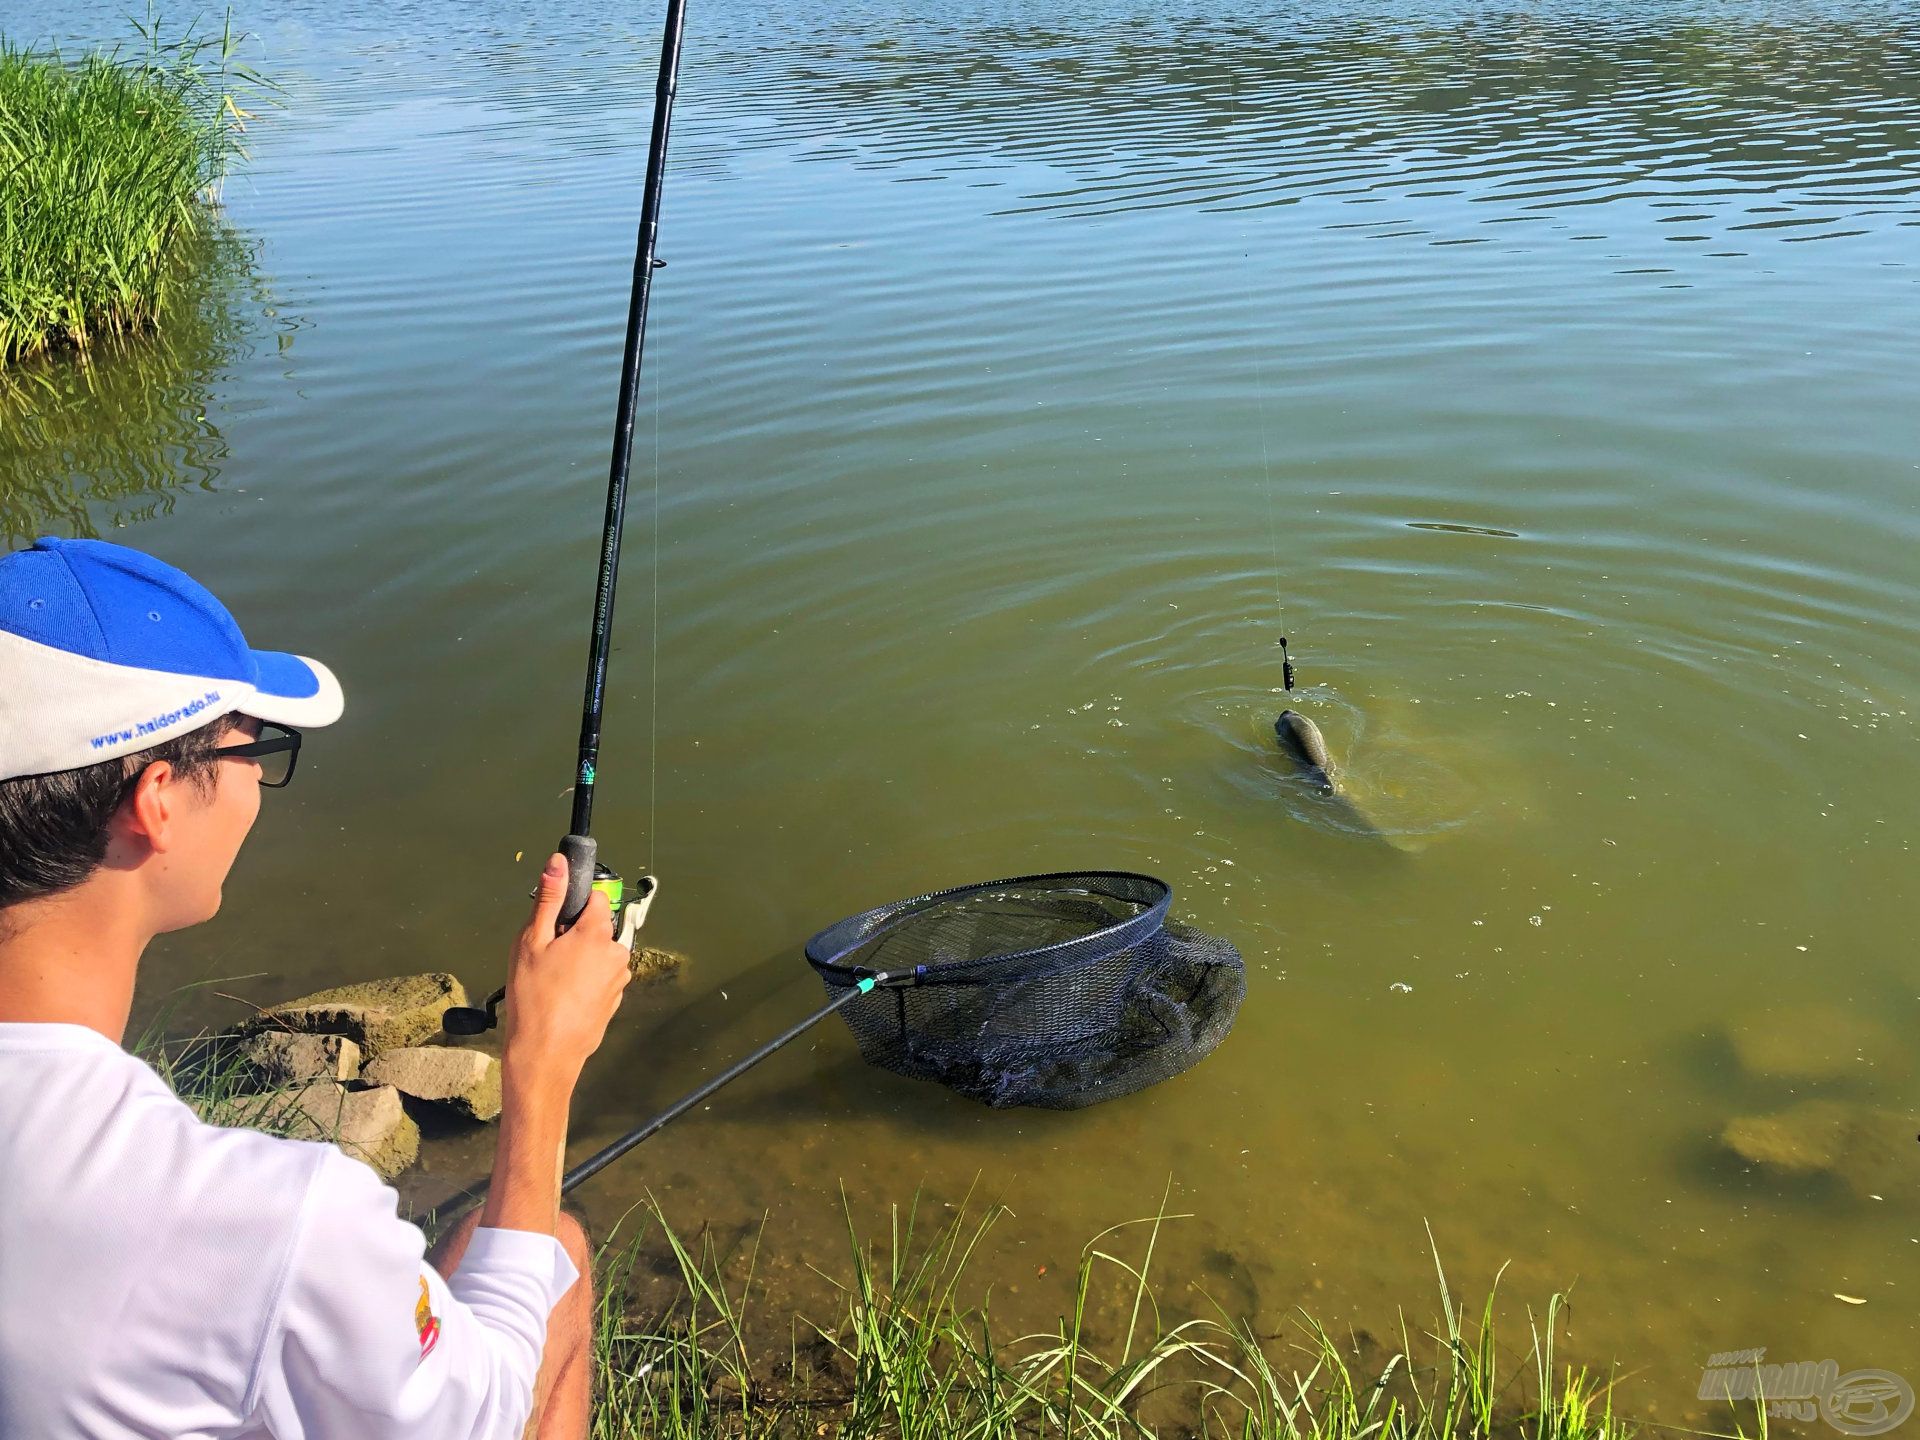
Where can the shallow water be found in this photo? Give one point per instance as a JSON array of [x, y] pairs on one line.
[[1019, 376]]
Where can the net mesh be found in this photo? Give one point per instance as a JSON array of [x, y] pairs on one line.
[[1053, 990]]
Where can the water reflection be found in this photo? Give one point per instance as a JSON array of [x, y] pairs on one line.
[[107, 440], [1728, 130]]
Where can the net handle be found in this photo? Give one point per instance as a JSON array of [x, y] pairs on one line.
[[858, 931]]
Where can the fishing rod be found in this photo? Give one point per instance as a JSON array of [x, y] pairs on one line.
[[599, 1161], [585, 873]]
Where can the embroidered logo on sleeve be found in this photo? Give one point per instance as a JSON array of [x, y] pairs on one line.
[[425, 1322]]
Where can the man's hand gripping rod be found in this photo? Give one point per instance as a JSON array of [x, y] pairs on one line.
[[629, 914]]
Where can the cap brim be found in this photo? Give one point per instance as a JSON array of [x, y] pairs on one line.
[[293, 690]]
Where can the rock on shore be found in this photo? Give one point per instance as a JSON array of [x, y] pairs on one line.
[[376, 1014], [465, 1081], [370, 1125], [346, 1064], [281, 1059]]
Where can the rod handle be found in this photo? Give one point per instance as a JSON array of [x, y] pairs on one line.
[[582, 853]]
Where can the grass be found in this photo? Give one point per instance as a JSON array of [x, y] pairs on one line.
[[901, 1355], [109, 165], [210, 1072]]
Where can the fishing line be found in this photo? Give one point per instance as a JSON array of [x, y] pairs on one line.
[[653, 646], [1266, 460], [1266, 467]]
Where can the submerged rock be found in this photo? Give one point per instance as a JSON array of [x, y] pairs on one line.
[[1809, 1139], [1808, 1044], [280, 1058], [370, 1125], [1858, 1145], [465, 1081], [651, 963], [376, 1014]]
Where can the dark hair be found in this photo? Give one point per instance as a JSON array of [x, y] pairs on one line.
[[53, 828]]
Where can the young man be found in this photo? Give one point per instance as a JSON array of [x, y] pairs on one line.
[[160, 1277]]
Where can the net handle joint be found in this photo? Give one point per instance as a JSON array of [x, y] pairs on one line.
[[871, 980]]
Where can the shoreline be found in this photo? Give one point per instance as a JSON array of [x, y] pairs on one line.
[[708, 1332]]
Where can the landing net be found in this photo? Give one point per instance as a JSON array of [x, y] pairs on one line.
[[1058, 991]]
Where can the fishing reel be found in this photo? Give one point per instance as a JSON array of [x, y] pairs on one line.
[[629, 905]]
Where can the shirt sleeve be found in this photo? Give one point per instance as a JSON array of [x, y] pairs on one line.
[[370, 1343]]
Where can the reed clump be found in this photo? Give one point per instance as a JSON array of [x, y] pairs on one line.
[[109, 166]]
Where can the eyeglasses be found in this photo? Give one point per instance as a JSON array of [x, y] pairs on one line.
[[277, 750]]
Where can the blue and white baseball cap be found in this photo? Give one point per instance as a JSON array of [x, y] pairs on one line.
[[105, 652]]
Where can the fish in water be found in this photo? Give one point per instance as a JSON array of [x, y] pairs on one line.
[[1303, 743]]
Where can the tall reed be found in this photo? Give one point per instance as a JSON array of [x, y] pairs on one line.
[[108, 164]]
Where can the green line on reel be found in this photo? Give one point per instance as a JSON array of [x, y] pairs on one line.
[[613, 887]]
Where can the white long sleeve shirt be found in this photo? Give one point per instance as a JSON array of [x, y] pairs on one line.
[[160, 1277]]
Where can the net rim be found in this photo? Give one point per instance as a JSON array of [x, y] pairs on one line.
[[827, 950]]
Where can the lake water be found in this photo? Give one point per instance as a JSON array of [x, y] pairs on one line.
[[1019, 375]]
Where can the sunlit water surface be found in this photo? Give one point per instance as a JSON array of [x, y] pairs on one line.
[[1019, 375]]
